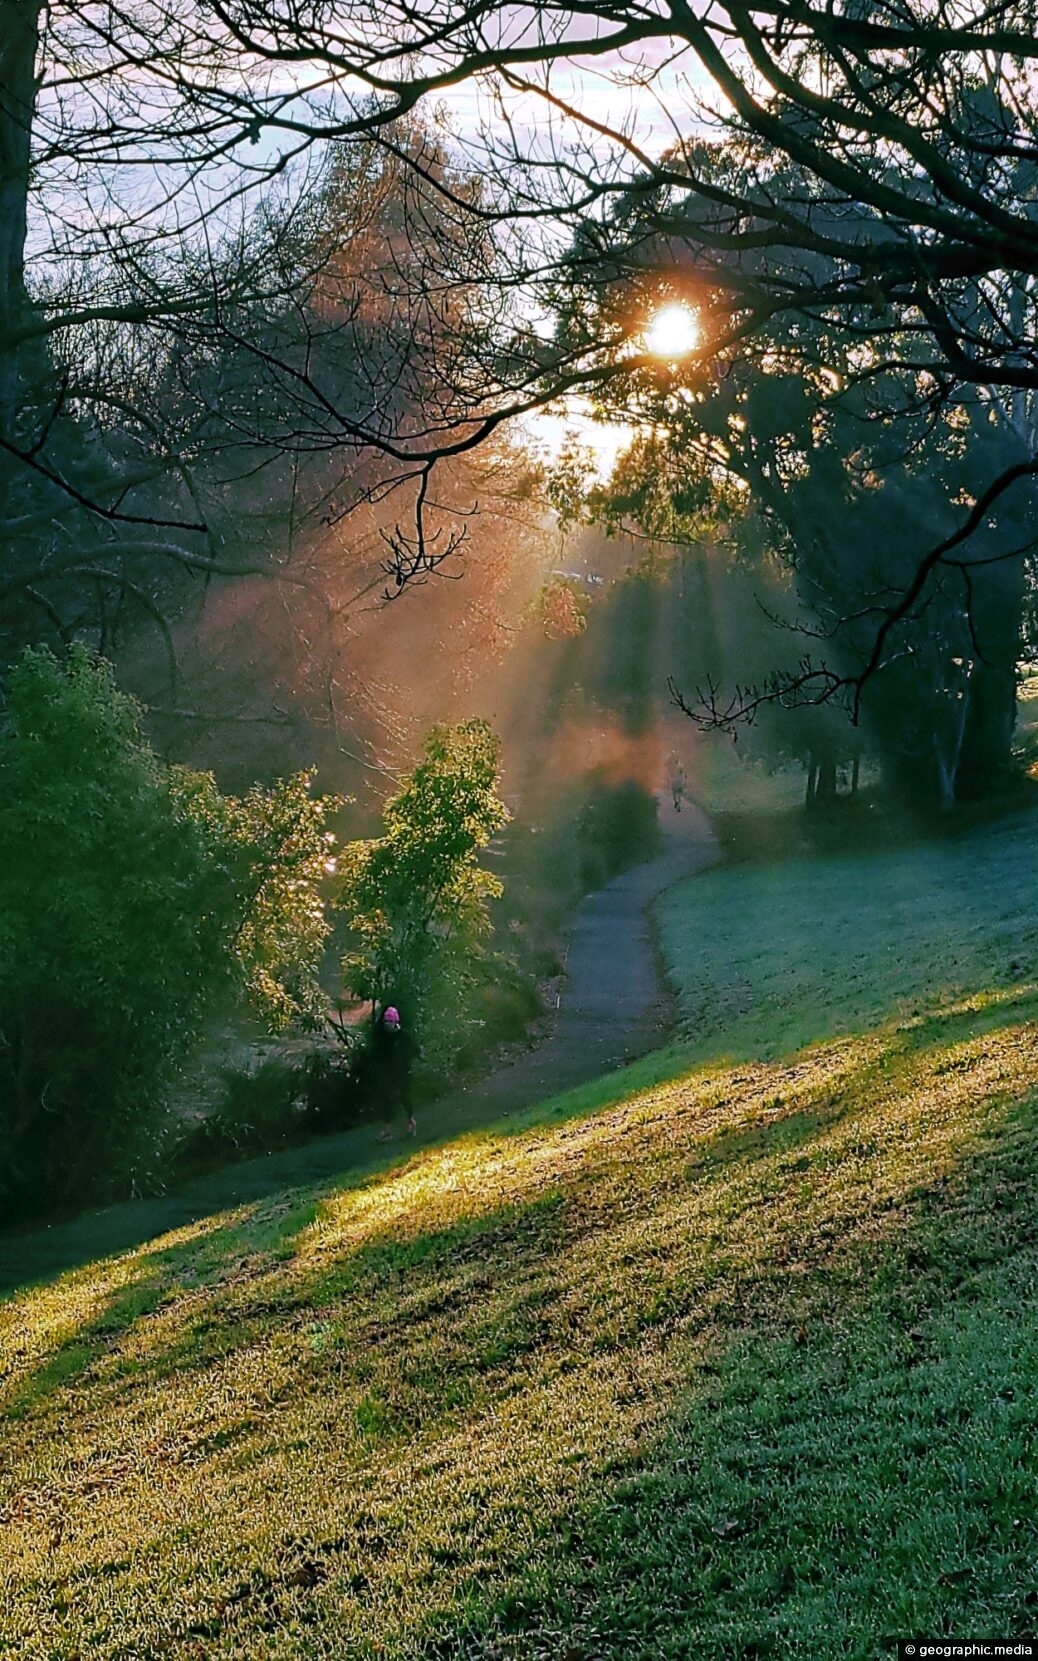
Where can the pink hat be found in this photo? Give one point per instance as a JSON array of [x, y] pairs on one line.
[[391, 1016]]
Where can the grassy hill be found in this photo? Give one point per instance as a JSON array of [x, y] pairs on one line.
[[733, 1352], [770, 958]]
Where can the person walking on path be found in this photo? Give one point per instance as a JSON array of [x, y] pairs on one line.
[[392, 1056], [676, 780]]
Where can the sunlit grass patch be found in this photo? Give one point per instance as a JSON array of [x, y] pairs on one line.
[[571, 1382], [727, 1356], [47, 1320]]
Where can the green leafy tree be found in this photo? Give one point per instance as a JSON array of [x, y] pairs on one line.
[[416, 896], [135, 903]]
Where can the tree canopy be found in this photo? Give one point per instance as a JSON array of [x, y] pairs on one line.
[[867, 169], [921, 115], [137, 903], [416, 897]]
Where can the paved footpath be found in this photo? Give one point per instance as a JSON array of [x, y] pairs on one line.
[[615, 1006]]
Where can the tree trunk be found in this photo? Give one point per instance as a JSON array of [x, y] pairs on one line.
[[987, 743], [991, 714], [996, 614], [945, 770], [19, 42], [825, 787]]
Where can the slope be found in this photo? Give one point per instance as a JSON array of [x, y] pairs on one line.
[[734, 1356]]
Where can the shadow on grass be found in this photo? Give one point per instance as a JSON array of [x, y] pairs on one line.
[[844, 1453], [285, 1262], [35, 1256], [853, 1466], [135, 1288], [234, 1280], [351, 1159], [256, 1269], [673, 1379], [248, 1290]]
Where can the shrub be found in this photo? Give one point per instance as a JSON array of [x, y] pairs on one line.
[[259, 1108], [416, 897], [134, 899], [618, 829], [282, 1101]]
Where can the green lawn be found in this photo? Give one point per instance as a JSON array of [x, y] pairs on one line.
[[722, 779], [732, 1358], [769, 958]]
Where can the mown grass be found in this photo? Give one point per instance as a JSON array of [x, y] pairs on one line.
[[769, 958], [734, 1359]]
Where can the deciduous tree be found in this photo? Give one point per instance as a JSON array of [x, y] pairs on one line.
[[416, 898], [136, 904]]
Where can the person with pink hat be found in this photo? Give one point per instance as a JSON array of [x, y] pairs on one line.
[[392, 1055]]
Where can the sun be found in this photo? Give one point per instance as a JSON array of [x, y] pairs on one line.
[[673, 332]]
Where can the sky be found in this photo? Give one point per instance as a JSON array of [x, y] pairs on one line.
[[570, 421], [609, 92]]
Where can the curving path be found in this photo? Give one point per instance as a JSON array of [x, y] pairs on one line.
[[615, 1006]]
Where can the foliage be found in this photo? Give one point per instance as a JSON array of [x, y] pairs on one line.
[[842, 457], [561, 609], [283, 1100], [259, 1108], [134, 899], [734, 1359], [568, 481], [359, 303], [416, 898], [787, 466], [617, 828], [270, 853]]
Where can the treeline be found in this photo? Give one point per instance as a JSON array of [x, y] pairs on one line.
[[851, 482], [201, 494], [136, 900], [139, 903], [227, 545]]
